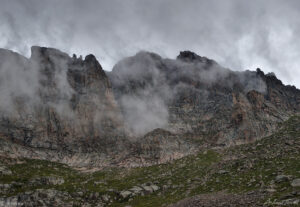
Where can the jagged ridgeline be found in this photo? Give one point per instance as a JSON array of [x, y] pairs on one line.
[[146, 110]]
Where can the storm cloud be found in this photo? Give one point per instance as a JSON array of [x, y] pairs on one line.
[[238, 34]]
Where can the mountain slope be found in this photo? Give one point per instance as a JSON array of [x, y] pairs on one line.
[[152, 132], [261, 173]]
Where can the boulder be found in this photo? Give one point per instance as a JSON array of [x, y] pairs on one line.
[[125, 194], [296, 182], [136, 190], [5, 171], [154, 187], [281, 178], [222, 172], [148, 189]]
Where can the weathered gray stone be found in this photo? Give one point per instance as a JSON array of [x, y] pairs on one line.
[[154, 187], [10, 202], [271, 190], [4, 188], [148, 189], [223, 172], [39, 197], [136, 190], [5, 171], [105, 198], [125, 194], [296, 183], [282, 178]]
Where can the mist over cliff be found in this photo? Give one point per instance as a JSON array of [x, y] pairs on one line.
[[147, 84], [149, 103], [147, 109], [239, 35]]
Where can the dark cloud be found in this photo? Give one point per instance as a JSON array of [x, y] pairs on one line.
[[238, 34]]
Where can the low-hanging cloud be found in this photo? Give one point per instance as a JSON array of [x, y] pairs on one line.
[[18, 81], [26, 84], [238, 34], [149, 88]]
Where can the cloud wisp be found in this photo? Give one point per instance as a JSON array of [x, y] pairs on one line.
[[239, 35]]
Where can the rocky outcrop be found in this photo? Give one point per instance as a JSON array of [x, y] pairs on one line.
[[41, 197], [222, 199], [161, 146]]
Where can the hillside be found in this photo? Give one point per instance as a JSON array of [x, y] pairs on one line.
[[264, 172]]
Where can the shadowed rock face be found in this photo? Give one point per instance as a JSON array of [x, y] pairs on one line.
[[74, 107], [147, 110], [200, 99]]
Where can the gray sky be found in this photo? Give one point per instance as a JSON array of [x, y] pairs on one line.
[[238, 34]]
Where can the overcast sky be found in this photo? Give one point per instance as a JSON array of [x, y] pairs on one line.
[[238, 34]]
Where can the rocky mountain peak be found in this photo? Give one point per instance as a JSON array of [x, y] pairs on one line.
[[38, 52], [91, 60], [188, 56]]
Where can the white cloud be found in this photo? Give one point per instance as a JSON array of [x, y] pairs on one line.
[[238, 34]]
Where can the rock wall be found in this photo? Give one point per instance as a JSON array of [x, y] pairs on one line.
[[147, 110], [73, 108], [201, 98]]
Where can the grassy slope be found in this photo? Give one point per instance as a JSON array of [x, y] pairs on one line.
[[245, 168]]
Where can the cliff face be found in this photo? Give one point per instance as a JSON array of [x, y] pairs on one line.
[[70, 107], [147, 110], [194, 97]]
